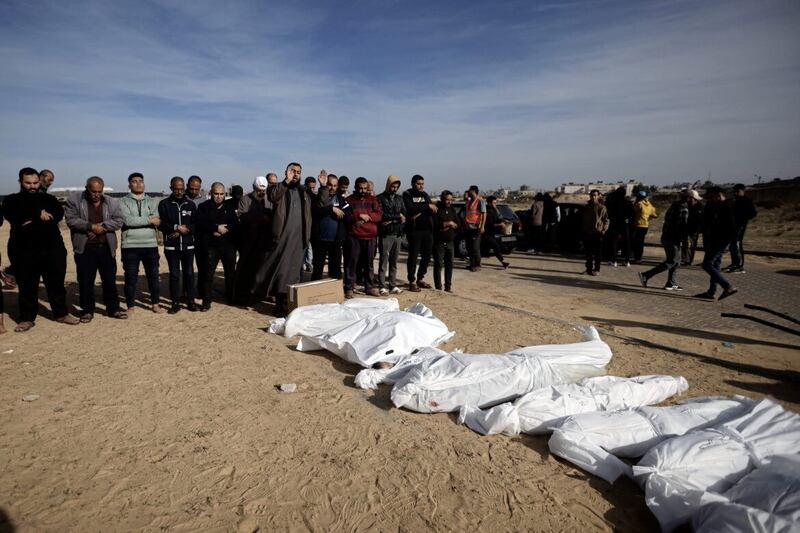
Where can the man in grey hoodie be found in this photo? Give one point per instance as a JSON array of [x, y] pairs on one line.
[[93, 219], [140, 241]]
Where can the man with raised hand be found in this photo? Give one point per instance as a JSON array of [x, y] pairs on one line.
[[93, 220], [40, 251], [291, 231], [140, 242]]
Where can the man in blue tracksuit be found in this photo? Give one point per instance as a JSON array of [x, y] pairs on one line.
[[177, 214]]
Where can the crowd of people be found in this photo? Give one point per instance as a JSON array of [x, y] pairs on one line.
[[615, 228], [265, 240], [268, 239]]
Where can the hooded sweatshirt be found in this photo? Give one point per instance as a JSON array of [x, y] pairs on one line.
[[392, 207], [643, 211]]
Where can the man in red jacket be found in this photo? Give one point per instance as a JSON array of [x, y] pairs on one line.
[[362, 232]]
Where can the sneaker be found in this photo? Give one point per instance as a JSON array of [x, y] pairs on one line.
[[612, 263], [423, 284], [594, 273], [728, 292], [395, 290], [348, 294], [673, 287], [643, 279], [448, 289], [704, 295], [506, 264], [383, 292], [412, 287], [174, 309], [205, 307], [373, 292], [192, 307], [627, 263]]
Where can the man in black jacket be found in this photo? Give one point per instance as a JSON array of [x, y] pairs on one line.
[[39, 249], [419, 231], [390, 231], [216, 222], [328, 229], [718, 231], [177, 214], [673, 234], [743, 212]]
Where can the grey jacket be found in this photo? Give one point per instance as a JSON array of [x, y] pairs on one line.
[[76, 213]]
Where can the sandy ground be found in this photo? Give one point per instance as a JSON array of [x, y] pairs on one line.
[[174, 423]]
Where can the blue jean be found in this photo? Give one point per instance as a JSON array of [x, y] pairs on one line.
[[148, 257], [711, 264], [671, 263], [181, 261]]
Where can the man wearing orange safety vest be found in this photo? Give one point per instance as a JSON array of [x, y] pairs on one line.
[[474, 221]]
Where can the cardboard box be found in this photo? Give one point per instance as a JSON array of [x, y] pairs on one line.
[[324, 291]]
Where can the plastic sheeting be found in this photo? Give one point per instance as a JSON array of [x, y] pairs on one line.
[[593, 441], [684, 473], [321, 318], [765, 500], [444, 384], [539, 411], [383, 337]]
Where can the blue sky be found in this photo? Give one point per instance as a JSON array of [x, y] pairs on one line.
[[493, 93]]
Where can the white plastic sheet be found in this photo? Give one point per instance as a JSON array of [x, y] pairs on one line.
[[682, 474], [594, 441], [540, 410], [383, 337], [765, 500], [321, 318], [444, 384]]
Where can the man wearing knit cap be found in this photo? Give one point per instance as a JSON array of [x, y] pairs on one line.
[[390, 232], [255, 215]]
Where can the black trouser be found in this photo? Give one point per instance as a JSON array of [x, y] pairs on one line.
[[96, 259], [201, 260], [638, 243], [12, 254], [330, 250], [180, 261], [737, 247], [420, 246], [51, 266], [689, 247], [671, 263], [618, 233], [358, 258], [443, 257], [593, 245], [215, 254], [148, 257], [473, 239], [491, 242]]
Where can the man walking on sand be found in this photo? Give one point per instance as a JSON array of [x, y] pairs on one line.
[[393, 211], [719, 228], [419, 232], [594, 225], [40, 251], [673, 233], [140, 242], [93, 220]]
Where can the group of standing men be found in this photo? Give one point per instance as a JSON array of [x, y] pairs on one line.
[[273, 230]]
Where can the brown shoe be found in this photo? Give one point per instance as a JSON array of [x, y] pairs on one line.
[[69, 320], [423, 285], [412, 287], [373, 292]]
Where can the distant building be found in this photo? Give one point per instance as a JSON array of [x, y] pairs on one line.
[[600, 185]]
